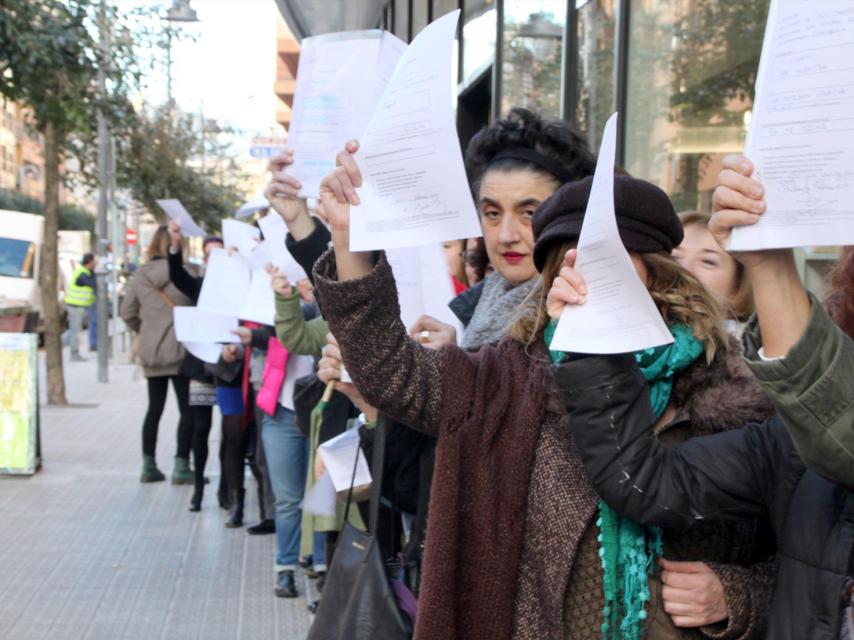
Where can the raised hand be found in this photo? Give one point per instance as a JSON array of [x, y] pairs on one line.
[[739, 200], [283, 189], [175, 236], [338, 188], [568, 288], [279, 281], [244, 334]]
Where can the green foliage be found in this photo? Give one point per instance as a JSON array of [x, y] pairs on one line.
[[50, 59], [71, 217], [165, 155]]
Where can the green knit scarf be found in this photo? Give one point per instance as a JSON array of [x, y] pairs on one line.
[[629, 551]]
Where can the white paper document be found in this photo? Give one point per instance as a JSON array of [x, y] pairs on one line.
[[340, 79], [225, 288], [197, 325], [176, 211], [339, 455], [321, 499], [423, 285], [261, 303], [244, 237], [415, 190], [801, 137], [273, 250], [619, 315], [205, 351]]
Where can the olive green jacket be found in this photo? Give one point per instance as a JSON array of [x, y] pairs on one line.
[[298, 336], [812, 388]]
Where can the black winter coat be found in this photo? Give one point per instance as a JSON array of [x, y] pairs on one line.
[[737, 474]]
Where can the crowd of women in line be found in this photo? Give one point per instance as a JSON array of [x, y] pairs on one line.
[[701, 489]]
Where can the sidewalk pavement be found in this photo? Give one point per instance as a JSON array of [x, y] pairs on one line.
[[87, 552]]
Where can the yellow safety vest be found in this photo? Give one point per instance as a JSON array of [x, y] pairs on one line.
[[77, 295]]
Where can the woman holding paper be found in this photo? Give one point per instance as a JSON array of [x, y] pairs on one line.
[[798, 466], [147, 310], [512, 549]]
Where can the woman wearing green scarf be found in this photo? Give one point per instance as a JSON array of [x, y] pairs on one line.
[[518, 545]]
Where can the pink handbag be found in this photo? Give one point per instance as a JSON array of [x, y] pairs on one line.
[[275, 370]]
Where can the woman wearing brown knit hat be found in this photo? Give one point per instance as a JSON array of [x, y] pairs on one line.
[[512, 540]]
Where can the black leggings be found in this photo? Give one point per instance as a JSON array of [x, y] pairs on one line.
[[235, 440], [202, 421], [157, 389]]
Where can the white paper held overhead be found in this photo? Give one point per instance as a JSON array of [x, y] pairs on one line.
[[261, 304], [801, 137], [340, 79], [415, 191], [619, 315], [225, 288], [176, 211], [244, 237]]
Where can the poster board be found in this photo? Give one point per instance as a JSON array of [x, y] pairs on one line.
[[20, 445]]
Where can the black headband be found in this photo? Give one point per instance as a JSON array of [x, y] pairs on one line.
[[529, 155]]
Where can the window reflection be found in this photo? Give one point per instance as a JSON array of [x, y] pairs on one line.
[[595, 88], [478, 38], [692, 67], [533, 48]]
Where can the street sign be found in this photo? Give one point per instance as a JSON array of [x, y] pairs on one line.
[[267, 146], [265, 151], [130, 236]]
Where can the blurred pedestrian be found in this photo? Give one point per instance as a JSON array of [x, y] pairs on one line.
[[147, 310], [80, 302]]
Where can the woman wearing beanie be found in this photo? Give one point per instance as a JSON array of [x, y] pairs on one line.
[[147, 310], [798, 466], [513, 548]]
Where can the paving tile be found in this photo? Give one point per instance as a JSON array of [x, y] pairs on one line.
[[89, 553]]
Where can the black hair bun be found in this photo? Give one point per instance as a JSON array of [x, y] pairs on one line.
[[555, 139]]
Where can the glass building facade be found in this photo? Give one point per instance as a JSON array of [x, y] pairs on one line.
[[680, 72]]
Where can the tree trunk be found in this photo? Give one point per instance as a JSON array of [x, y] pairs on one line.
[[49, 268]]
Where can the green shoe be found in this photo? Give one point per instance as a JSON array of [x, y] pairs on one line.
[[181, 472], [150, 472]]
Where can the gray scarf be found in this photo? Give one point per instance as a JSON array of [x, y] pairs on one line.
[[496, 310]]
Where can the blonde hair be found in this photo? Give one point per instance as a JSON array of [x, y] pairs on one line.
[[679, 296], [159, 245], [740, 306]]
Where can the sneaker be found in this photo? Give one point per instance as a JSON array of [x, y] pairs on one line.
[[321, 581], [285, 585]]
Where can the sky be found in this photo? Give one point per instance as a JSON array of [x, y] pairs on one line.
[[229, 71]]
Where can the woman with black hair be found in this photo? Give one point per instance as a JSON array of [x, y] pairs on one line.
[[514, 164]]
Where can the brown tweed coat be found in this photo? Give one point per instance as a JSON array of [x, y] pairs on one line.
[[510, 501]]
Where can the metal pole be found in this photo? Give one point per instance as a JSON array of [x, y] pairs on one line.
[[103, 182], [118, 253]]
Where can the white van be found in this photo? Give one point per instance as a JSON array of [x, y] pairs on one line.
[[21, 241]]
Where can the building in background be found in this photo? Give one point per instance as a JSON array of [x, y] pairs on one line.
[[680, 73], [287, 60], [21, 153]]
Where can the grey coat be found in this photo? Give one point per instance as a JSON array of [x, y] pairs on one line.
[[146, 311]]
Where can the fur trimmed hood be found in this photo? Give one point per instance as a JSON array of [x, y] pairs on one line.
[[720, 396]]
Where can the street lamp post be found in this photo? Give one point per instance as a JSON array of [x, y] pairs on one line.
[[180, 11]]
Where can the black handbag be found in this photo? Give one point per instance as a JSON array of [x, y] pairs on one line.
[[359, 602]]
